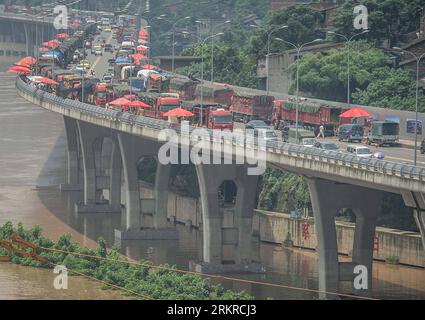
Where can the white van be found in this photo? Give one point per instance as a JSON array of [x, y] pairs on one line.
[[360, 151]]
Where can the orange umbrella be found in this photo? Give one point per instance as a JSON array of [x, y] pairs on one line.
[[19, 69], [142, 50], [178, 112], [120, 102], [355, 113], [149, 66], [138, 104], [46, 81]]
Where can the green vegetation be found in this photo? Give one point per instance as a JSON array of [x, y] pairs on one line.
[[156, 283], [388, 19], [392, 259]]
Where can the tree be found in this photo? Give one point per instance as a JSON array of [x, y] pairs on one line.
[[231, 65], [390, 88], [324, 75], [302, 23], [387, 19]]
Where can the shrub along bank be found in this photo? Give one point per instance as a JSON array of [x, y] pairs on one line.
[[160, 282]]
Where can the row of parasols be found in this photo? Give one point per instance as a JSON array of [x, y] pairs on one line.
[[124, 102], [24, 66]]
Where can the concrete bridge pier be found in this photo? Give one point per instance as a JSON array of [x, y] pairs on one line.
[[216, 237], [328, 198], [90, 136], [416, 201], [73, 179], [132, 150]]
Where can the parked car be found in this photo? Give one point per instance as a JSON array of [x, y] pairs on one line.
[[285, 131], [350, 132], [326, 145], [256, 124], [308, 142], [423, 146], [107, 78], [360, 151], [108, 48]]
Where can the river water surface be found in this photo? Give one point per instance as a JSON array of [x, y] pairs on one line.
[[33, 164]]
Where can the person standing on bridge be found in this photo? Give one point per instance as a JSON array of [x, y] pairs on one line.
[[321, 131]]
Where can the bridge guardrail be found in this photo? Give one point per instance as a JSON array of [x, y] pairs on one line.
[[339, 158]]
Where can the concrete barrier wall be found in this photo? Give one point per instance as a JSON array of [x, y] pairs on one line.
[[274, 227]]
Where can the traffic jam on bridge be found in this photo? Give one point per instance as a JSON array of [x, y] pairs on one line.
[[130, 82], [333, 169]]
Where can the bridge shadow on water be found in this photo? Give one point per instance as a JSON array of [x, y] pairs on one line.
[[289, 267]]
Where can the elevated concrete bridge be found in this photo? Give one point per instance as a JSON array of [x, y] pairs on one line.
[[336, 181]]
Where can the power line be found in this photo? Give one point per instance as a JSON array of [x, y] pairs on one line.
[[216, 277]]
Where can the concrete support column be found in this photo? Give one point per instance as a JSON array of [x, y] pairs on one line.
[[88, 135], [73, 183], [245, 205], [132, 150], [328, 198], [210, 178], [115, 175], [419, 216], [162, 179], [416, 201]]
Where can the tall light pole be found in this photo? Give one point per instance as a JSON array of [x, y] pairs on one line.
[[348, 43], [299, 48], [212, 47], [202, 72], [418, 61], [269, 35], [174, 36]]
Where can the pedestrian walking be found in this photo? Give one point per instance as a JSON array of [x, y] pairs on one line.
[[321, 131]]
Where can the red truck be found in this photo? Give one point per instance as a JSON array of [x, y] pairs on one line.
[[160, 104], [215, 93], [247, 106], [215, 116], [309, 113], [184, 87]]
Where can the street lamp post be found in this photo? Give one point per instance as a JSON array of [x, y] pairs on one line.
[[418, 61], [161, 17], [269, 35], [212, 47], [298, 48], [348, 42], [202, 73]]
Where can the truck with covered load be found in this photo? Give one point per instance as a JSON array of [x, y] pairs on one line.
[[183, 86], [310, 114], [383, 132], [247, 106], [161, 103]]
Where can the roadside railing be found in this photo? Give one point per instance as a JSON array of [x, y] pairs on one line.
[[277, 147]]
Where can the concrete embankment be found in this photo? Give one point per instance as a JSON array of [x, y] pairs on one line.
[[274, 227]]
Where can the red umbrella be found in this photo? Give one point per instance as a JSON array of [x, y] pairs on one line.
[[120, 102], [149, 66], [178, 112], [355, 113], [23, 64], [138, 104], [28, 60], [137, 56], [46, 81], [143, 33], [51, 44], [142, 49], [19, 69], [63, 36]]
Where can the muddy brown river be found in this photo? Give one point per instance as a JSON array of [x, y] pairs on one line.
[[33, 164]]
